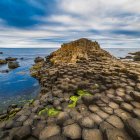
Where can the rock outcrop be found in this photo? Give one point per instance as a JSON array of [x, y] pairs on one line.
[[3, 62], [85, 94], [13, 64], [75, 50]]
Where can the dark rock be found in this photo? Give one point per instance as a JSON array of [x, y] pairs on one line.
[[72, 131], [1, 52], [13, 65], [4, 71], [11, 59], [9, 124], [38, 59], [3, 62], [133, 127], [22, 133], [88, 99]]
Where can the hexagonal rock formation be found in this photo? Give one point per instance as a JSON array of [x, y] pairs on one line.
[[85, 94]]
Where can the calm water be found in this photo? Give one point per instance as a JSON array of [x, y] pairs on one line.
[[18, 85]]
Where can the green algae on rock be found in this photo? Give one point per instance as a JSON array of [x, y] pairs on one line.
[[74, 99], [49, 111]]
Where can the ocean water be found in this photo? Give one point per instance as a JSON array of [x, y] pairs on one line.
[[17, 85]]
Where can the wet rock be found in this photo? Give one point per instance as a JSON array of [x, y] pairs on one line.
[[3, 62], [38, 59], [4, 71], [133, 127], [90, 134], [22, 133], [72, 131], [1, 52], [49, 131], [11, 59], [13, 65]]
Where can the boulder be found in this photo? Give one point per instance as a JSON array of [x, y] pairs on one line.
[[1, 52], [11, 59], [3, 62], [13, 65], [38, 59]]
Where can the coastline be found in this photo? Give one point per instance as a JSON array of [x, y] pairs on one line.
[[93, 90]]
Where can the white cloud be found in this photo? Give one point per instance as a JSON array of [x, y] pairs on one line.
[[73, 19]]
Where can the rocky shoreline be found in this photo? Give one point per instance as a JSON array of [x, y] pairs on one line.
[[86, 93]]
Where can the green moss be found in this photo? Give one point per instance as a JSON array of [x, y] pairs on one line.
[[53, 112], [82, 93], [74, 99], [49, 111], [43, 111]]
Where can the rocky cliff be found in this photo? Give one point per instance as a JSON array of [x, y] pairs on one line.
[[85, 94]]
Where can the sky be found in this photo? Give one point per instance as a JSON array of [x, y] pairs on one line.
[[50, 23]]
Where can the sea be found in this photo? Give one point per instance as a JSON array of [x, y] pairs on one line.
[[17, 86]]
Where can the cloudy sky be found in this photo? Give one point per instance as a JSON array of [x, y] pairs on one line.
[[49, 23]]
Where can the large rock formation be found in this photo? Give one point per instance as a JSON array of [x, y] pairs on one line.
[[85, 94], [75, 50]]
